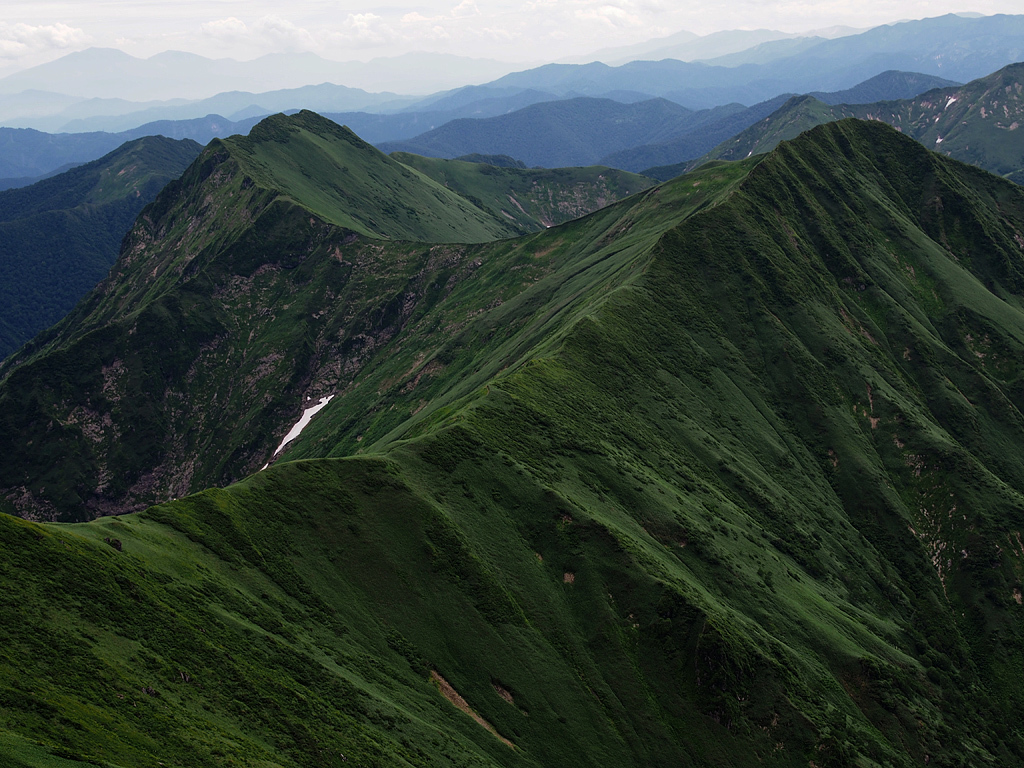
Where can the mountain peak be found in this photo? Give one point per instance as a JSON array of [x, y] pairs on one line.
[[328, 170]]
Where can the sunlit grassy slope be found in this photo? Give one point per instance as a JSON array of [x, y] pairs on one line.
[[729, 474]]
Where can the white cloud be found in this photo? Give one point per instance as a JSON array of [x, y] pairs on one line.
[[498, 33], [367, 29], [276, 33], [284, 35], [415, 17], [464, 9], [18, 40], [230, 28]]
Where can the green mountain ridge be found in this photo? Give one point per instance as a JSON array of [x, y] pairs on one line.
[[60, 236], [698, 140], [976, 123], [366, 193], [728, 473], [253, 231]]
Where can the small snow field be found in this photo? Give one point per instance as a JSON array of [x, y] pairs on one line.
[[301, 424]]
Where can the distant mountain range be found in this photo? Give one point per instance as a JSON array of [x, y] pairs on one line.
[[106, 73], [694, 142], [951, 47], [96, 115], [686, 46], [552, 132], [573, 132], [108, 90], [633, 136]]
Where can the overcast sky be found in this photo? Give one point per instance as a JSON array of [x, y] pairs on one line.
[[35, 31]]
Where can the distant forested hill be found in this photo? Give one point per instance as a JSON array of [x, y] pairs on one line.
[[59, 237]]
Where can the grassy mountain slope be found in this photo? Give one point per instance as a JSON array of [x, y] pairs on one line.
[[976, 123], [725, 474], [346, 182], [530, 198], [239, 289], [60, 236]]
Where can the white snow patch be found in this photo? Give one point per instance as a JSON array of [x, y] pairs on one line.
[[952, 100], [938, 140], [307, 416]]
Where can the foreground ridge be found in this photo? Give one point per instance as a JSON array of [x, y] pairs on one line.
[[730, 476]]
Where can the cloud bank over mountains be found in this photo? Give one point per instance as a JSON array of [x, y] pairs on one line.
[[510, 30], [19, 41]]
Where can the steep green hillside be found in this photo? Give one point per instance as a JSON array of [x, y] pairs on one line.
[[241, 291], [727, 474], [530, 199], [60, 236], [344, 181], [976, 123]]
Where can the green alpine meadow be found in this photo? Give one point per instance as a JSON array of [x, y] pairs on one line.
[[728, 472]]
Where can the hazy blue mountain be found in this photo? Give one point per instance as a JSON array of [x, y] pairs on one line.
[[695, 138], [687, 46], [109, 73], [706, 47], [24, 181], [320, 98], [25, 152], [574, 132], [634, 51], [33, 103], [26, 155], [887, 86], [952, 47], [554, 133], [766, 52]]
